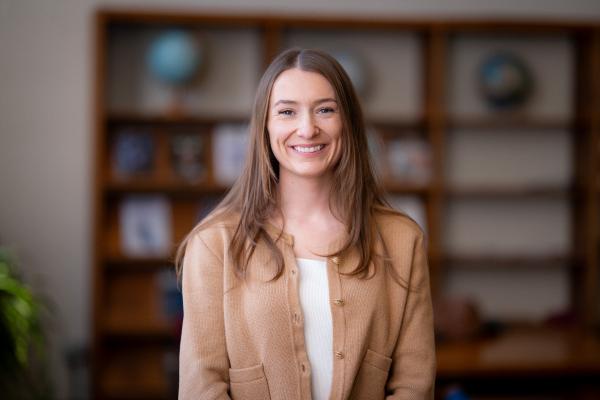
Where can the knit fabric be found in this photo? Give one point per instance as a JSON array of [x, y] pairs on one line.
[[318, 329], [244, 339]]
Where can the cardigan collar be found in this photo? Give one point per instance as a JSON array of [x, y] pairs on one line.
[[278, 233]]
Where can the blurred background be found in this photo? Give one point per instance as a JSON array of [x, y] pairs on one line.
[[122, 123]]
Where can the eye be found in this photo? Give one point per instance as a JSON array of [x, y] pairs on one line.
[[285, 112], [326, 110]]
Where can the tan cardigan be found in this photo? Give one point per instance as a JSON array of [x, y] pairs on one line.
[[245, 340]]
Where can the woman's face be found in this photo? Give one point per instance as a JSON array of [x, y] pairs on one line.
[[304, 124]]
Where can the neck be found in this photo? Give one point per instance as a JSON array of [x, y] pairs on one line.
[[302, 199]]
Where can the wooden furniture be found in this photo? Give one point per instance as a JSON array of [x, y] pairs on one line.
[[418, 94]]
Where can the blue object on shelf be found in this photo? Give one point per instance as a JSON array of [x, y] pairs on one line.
[[134, 152], [505, 80], [174, 57]]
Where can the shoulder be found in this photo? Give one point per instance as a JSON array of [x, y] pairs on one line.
[[395, 225], [404, 243], [215, 233]]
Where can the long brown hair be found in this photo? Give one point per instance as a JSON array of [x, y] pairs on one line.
[[356, 194]]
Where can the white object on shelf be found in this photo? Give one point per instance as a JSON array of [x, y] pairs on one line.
[[230, 143], [145, 223], [409, 160]]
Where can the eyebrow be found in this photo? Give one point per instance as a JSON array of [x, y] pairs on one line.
[[295, 102]]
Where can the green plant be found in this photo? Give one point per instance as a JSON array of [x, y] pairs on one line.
[[22, 340]]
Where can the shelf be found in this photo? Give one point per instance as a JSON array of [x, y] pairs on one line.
[[135, 118], [516, 261], [127, 326], [508, 121], [150, 186], [507, 191], [169, 187], [136, 395], [522, 351], [406, 188], [125, 263], [116, 259], [392, 126], [137, 329]]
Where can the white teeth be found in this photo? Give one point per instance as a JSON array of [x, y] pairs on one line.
[[308, 149]]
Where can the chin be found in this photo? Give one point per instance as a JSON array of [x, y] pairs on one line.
[[313, 174]]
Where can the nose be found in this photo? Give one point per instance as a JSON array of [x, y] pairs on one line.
[[307, 127]]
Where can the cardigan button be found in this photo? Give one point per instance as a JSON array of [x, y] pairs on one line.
[[338, 302], [339, 355]]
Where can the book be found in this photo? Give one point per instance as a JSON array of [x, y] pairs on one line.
[[133, 152]]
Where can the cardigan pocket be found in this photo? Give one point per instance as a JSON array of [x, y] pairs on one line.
[[249, 383], [372, 377]]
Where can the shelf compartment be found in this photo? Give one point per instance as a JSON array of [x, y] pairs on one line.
[[183, 215], [142, 305], [232, 58], [142, 372], [554, 87], [522, 351]]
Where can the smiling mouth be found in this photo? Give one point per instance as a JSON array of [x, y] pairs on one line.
[[308, 149]]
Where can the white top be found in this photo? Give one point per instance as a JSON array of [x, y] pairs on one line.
[[318, 327]]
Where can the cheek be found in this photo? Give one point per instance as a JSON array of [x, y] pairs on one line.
[[335, 127], [277, 135], [338, 138], [274, 143]]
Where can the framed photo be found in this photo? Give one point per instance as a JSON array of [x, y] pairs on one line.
[[187, 156], [145, 223], [229, 152]]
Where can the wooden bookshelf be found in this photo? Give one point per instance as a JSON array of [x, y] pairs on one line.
[[135, 342]]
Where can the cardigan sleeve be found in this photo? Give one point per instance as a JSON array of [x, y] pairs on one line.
[[203, 360], [413, 368]]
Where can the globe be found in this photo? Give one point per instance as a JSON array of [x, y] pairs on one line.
[[174, 57], [505, 81]]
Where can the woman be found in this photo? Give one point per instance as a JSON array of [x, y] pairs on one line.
[[304, 283]]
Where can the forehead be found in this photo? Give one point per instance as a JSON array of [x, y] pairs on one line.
[[295, 84]]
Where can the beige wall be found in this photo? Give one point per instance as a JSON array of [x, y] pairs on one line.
[[45, 127]]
